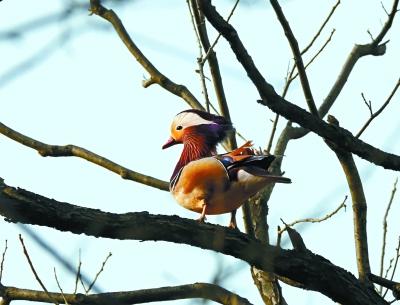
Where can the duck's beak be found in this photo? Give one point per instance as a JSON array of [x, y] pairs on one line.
[[171, 141]]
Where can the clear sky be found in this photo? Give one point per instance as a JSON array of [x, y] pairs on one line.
[[87, 91]]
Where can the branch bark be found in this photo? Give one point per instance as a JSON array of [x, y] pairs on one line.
[[196, 290], [313, 271], [359, 208], [341, 137]]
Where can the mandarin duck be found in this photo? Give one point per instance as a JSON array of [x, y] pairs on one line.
[[209, 183]]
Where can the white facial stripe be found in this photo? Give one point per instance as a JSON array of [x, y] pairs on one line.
[[186, 119]]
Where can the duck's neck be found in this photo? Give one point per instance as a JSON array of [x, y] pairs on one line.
[[194, 148]]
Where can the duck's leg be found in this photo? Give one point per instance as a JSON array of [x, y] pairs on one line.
[[202, 217], [232, 222]]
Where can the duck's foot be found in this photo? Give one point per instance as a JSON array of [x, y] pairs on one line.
[[232, 222], [202, 217]]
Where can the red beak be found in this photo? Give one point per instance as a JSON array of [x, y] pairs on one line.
[[171, 141]]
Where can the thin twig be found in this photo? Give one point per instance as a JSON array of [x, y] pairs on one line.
[[192, 6], [290, 77], [321, 28], [385, 224], [98, 273], [59, 287], [316, 54], [2, 261], [395, 264], [315, 220], [378, 112], [297, 56], [78, 273], [219, 34], [34, 271], [368, 103], [214, 68]]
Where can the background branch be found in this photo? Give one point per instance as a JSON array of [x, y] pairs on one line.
[[155, 75], [46, 150], [341, 137], [384, 231], [379, 111], [197, 290], [297, 57]]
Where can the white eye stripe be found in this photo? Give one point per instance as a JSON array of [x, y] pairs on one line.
[[186, 119]]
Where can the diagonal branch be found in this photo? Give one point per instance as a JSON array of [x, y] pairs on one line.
[[46, 150], [378, 112], [18, 205], [156, 77], [297, 57], [276, 103], [197, 290]]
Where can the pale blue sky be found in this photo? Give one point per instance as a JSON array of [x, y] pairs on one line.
[[88, 92]]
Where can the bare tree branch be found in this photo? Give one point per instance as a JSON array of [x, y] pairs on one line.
[[388, 24], [155, 75], [290, 76], [2, 260], [46, 150], [343, 138], [98, 273], [375, 48], [214, 67], [359, 207], [379, 111], [34, 272], [18, 205], [385, 229], [394, 286], [396, 260], [297, 57], [321, 28], [59, 287], [314, 220], [196, 290]]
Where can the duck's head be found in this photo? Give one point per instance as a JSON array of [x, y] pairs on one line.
[[193, 124]]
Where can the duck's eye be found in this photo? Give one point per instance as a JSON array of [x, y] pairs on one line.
[[179, 127]]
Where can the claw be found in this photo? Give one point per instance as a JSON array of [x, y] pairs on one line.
[[232, 222]]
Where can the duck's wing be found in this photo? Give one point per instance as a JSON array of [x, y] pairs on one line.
[[256, 165]]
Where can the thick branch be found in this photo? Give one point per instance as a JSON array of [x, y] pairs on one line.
[[341, 137], [155, 75], [197, 290], [46, 150], [18, 205], [359, 207]]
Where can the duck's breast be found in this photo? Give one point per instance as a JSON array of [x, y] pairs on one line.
[[198, 182]]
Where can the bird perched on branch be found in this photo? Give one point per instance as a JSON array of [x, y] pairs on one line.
[[208, 183]]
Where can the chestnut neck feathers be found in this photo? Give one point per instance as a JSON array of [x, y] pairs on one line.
[[200, 141]]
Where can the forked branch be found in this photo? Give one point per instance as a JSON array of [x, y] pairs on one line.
[[343, 138]]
